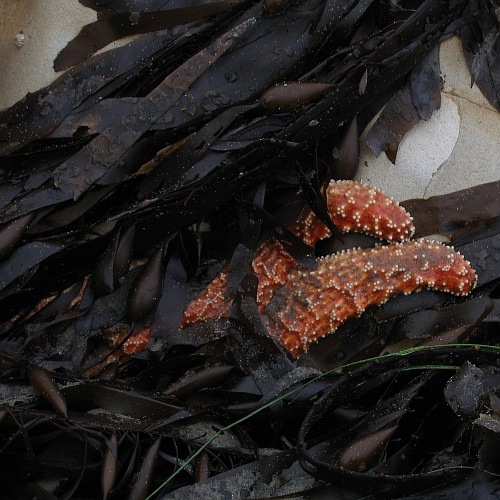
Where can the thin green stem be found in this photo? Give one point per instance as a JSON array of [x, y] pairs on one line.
[[260, 409]]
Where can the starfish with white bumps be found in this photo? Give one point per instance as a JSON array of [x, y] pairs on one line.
[[299, 306]]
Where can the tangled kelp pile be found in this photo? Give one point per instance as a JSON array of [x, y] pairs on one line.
[[131, 180]]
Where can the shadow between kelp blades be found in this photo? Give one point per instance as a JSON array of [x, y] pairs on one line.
[[342, 391]]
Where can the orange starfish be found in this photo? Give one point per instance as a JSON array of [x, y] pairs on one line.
[[300, 306], [353, 207], [312, 304]]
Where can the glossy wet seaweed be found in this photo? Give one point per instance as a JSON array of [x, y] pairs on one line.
[[130, 181]]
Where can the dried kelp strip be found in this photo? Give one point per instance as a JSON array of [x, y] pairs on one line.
[[38, 113], [406, 478], [124, 22], [425, 324], [417, 100], [95, 119], [164, 200], [70, 180], [425, 85], [42, 381], [483, 254], [482, 48], [118, 401], [455, 213], [25, 259], [397, 118], [168, 315], [12, 232], [346, 158]]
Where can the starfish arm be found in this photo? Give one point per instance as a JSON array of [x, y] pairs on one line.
[[312, 304], [353, 207]]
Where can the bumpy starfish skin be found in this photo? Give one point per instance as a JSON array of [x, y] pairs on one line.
[[137, 342], [312, 304], [353, 207], [356, 207]]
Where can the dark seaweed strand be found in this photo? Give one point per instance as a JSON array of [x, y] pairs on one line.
[[340, 392]]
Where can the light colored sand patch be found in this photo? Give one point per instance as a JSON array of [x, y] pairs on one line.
[[455, 73], [476, 156], [458, 147], [47, 26], [420, 154]]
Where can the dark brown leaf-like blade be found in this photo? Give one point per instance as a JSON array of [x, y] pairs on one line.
[[423, 324], [168, 314], [364, 450], [398, 117], [118, 400], [146, 291], [143, 477], [291, 95], [109, 465], [455, 213], [42, 381], [125, 22], [425, 85], [114, 142], [211, 376], [12, 232], [346, 159], [103, 276], [24, 259]]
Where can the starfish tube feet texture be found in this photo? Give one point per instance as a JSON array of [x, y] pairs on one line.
[[353, 207], [312, 304]]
